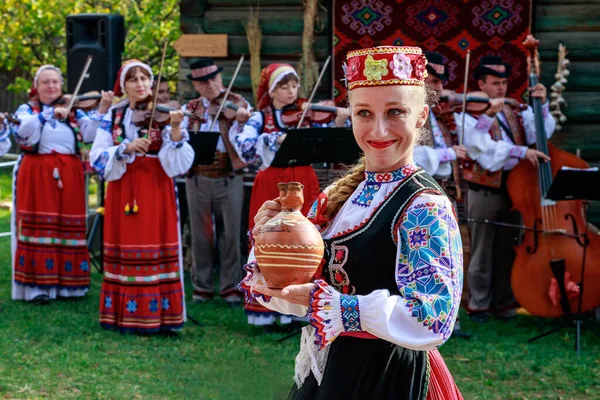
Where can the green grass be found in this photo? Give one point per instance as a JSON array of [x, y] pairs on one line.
[[59, 351]]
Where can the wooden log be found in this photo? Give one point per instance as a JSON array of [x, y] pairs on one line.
[[280, 46], [582, 107], [564, 2], [561, 18], [585, 137], [273, 21], [581, 46], [583, 76]]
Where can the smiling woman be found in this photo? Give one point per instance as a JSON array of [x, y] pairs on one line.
[[390, 285]]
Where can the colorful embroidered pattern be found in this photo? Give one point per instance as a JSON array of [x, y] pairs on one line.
[[253, 278], [350, 313], [365, 197], [429, 274], [394, 176], [373, 181]]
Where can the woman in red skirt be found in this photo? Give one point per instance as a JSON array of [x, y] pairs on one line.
[[50, 256], [257, 143], [142, 289]]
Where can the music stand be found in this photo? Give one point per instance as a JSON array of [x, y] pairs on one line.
[[204, 145], [574, 184], [317, 145]]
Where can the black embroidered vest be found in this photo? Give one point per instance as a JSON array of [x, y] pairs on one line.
[[361, 261]]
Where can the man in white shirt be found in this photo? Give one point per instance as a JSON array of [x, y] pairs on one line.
[[509, 133]]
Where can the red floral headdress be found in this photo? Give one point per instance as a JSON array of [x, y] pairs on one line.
[[385, 65]]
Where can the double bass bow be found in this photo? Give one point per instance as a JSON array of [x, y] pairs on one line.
[[555, 242]]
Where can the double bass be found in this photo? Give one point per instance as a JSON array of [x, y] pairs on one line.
[[553, 247]]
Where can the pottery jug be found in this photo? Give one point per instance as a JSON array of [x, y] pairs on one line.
[[288, 248]]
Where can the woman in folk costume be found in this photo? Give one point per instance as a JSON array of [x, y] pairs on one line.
[[258, 140], [142, 289], [50, 256], [390, 285]]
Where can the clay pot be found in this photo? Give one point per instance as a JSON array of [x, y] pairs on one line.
[[288, 248]]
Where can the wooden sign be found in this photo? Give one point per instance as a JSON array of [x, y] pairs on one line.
[[201, 45]]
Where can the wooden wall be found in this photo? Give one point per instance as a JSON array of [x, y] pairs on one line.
[[282, 26], [576, 24]]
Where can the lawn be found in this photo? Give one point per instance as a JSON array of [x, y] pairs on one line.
[[58, 351]]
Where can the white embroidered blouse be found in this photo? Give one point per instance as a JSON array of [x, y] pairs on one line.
[[428, 272], [111, 161], [50, 134], [503, 154]]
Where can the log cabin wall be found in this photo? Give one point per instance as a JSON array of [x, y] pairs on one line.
[[576, 24], [282, 25]]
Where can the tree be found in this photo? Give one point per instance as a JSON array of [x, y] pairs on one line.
[[33, 33]]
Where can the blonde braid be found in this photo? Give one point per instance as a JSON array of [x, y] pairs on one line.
[[343, 188]]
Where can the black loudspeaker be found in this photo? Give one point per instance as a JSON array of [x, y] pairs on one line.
[[101, 36]]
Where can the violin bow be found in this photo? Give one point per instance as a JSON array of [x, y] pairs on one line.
[[313, 92], [464, 101], [83, 75], [155, 95], [222, 105]]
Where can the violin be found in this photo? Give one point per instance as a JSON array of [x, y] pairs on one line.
[[233, 102], [322, 112], [142, 113], [86, 102], [476, 103]]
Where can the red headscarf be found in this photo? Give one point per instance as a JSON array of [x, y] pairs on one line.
[[270, 76], [119, 88]]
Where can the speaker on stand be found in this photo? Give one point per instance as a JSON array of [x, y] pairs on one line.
[[101, 36]]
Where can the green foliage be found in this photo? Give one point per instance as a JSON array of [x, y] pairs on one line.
[[33, 33]]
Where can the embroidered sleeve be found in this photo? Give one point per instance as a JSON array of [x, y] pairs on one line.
[[427, 158], [253, 278], [446, 155], [108, 159], [332, 313], [481, 147], [29, 131], [429, 273], [88, 125], [315, 214], [6, 130], [529, 123], [251, 144], [176, 157]]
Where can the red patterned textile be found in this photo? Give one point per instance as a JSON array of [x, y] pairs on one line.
[[142, 290], [50, 221], [449, 27]]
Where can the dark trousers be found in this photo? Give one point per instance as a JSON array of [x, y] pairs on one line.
[[492, 252]]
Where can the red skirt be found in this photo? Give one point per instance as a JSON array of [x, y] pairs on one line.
[[51, 250], [265, 188], [441, 383], [142, 289]]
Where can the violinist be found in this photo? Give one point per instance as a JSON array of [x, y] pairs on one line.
[[164, 94], [508, 133], [50, 256], [215, 190], [258, 141], [142, 290], [441, 152]]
